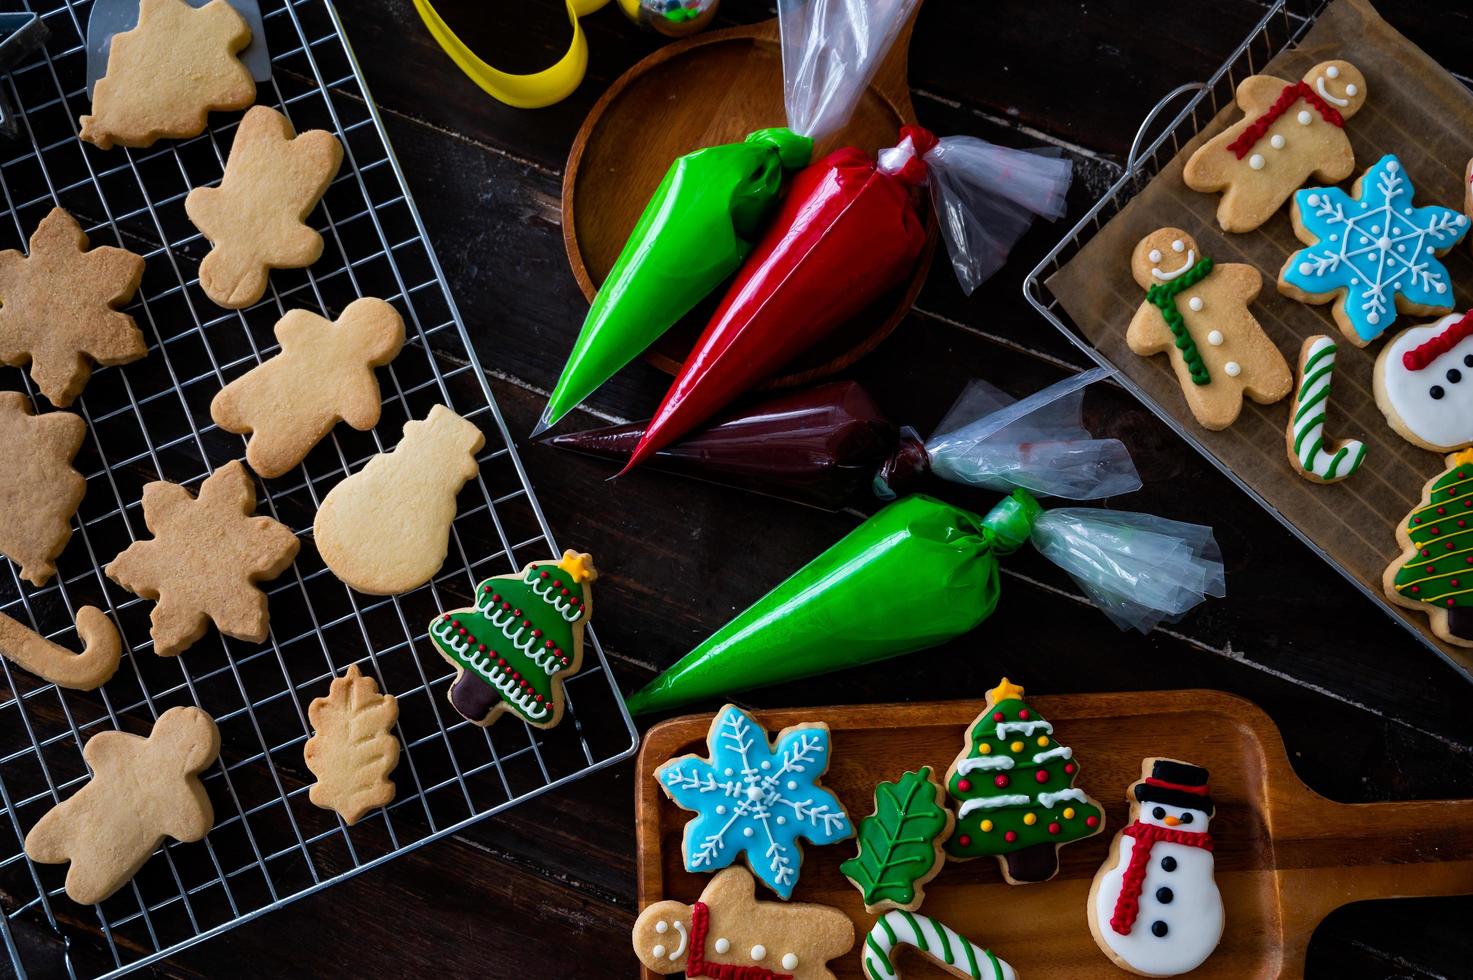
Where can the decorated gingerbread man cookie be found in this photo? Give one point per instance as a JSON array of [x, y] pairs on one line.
[[728, 933], [1424, 383], [1198, 312], [1434, 572], [1290, 132]]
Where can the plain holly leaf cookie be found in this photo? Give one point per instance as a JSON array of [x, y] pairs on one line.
[[352, 751], [204, 561], [39, 489], [166, 75], [256, 217], [59, 307]]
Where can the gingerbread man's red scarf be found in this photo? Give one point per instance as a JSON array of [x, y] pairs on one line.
[[696, 966], [1291, 94]]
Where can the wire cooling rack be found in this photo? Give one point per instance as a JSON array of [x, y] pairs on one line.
[[149, 420]]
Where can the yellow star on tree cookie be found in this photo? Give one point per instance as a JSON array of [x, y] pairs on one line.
[[167, 74], [58, 307], [204, 561]]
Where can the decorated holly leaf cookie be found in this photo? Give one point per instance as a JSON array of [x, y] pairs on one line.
[[900, 843], [1197, 312], [205, 560], [1290, 132], [39, 488], [756, 798], [1434, 574], [1424, 383], [1317, 458], [941, 944], [59, 307], [728, 933], [1014, 789], [514, 648], [169, 72], [1154, 907], [1372, 252]]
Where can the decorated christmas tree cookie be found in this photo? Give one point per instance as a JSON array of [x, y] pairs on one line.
[[1015, 794], [514, 648], [1434, 574]]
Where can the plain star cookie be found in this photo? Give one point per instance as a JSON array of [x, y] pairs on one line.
[[323, 375], [756, 798], [1372, 252], [167, 74], [1424, 383], [522, 639], [256, 217], [1290, 132], [353, 749], [1197, 312], [142, 790], [205, 559], [1434, 572], [39, 489], [728, 933], [59, 307]]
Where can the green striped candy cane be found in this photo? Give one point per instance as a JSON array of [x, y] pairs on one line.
[[1325, 463], [934, 938]]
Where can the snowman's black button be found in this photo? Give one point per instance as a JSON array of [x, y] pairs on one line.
[[1158, 928], [1436, 392], [1454, 375], [1164, 896], [1168, 864]]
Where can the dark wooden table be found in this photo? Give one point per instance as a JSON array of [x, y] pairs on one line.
[[547, 890]]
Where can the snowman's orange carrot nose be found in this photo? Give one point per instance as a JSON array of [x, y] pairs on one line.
[[1171, 821]]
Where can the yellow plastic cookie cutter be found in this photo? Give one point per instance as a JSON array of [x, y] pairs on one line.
[[533, 91]]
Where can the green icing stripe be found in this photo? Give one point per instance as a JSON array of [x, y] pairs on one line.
[[1163, 297], [889, 933], [996, 966], [916, 927], [941, 933], [875, 948]]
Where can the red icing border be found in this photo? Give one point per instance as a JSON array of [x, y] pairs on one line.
[[1428, 351], [1291, 94]]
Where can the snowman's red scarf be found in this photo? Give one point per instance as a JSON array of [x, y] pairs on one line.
[[1127, 906], [1291, 94], [696, 965]]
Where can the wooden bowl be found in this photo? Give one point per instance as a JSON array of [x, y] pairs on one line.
[[709, 89]]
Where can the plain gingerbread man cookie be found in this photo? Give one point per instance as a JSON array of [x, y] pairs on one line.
[[39, 489], [142, 790], [256, 217], [167, 74], [386, 529], [59, 307], [323, 375], [204, 561], [1290, 132], [1198, 312], [728, 928]]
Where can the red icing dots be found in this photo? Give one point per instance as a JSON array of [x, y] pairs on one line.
[[999, 716], [1024, 714], [1091, 821], [1001, 780], [1041, 776], [1010, 836], [1054, 828], [1069, 768], [964, 840], [963, 785]]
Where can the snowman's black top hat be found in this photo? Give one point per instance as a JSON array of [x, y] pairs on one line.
[[1176, 784]]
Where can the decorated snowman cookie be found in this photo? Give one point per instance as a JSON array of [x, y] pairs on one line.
[[728, 933], [1154, 907], [1290, 132], [1197, 312], [1424, 383]]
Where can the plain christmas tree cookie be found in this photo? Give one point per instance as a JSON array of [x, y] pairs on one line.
[[1154, 907], [1434, 572], [728, 933], [59, 307], [514, 648], [1290, 132], [168, 73], [39, 488], [256, 217], [1013, 785]]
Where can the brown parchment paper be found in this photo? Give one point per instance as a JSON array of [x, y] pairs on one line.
[[1414, 109]]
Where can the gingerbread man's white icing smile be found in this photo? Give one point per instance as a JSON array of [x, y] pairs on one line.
[[1333, 72], [1176, 246]]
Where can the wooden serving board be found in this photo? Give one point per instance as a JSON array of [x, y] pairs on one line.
[[705, 90], [1286, 857]]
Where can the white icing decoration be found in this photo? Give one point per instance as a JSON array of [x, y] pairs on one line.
[[1024, 728], [1307, 419], [1061, 752], [684, 939], [759, 951], [1445, 422], [1333, 71], [933, 936], [1215, 338], [1049, 800], [1277, 141], [658, 951], [790, 961], [503, 620], [1154, 255], [662, 927], [748, 832], [1232, 369], [1168, 276], [1305, 117], [1256, 161], [975, 763], [1351, 90], [488, 671], [1178, 245], [723, 945], [1319, 84], [564, 608], [1195, 304], [991, 802]]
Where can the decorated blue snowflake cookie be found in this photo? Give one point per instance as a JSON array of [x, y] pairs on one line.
[[1372, 252], [756, 799]]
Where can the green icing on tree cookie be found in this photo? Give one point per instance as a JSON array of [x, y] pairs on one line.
[[1440, 570], [897, 843], [1014, 789]]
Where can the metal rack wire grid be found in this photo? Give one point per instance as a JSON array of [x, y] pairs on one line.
[[150, 421]]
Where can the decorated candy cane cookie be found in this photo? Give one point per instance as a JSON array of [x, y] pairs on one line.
[[1197, 312], [954, 953], [1315, 458], [1424, 383], [1290, 132]]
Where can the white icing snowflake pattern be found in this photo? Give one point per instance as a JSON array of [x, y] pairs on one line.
[[753, 798], [1375, 247]]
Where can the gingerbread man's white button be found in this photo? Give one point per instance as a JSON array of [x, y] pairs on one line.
[[723, 945], [1256, 161], [1215, 338], [1233, 369], [1277, 141], [1305, 118], [1195, 304], [790, 961], [759, 951]]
